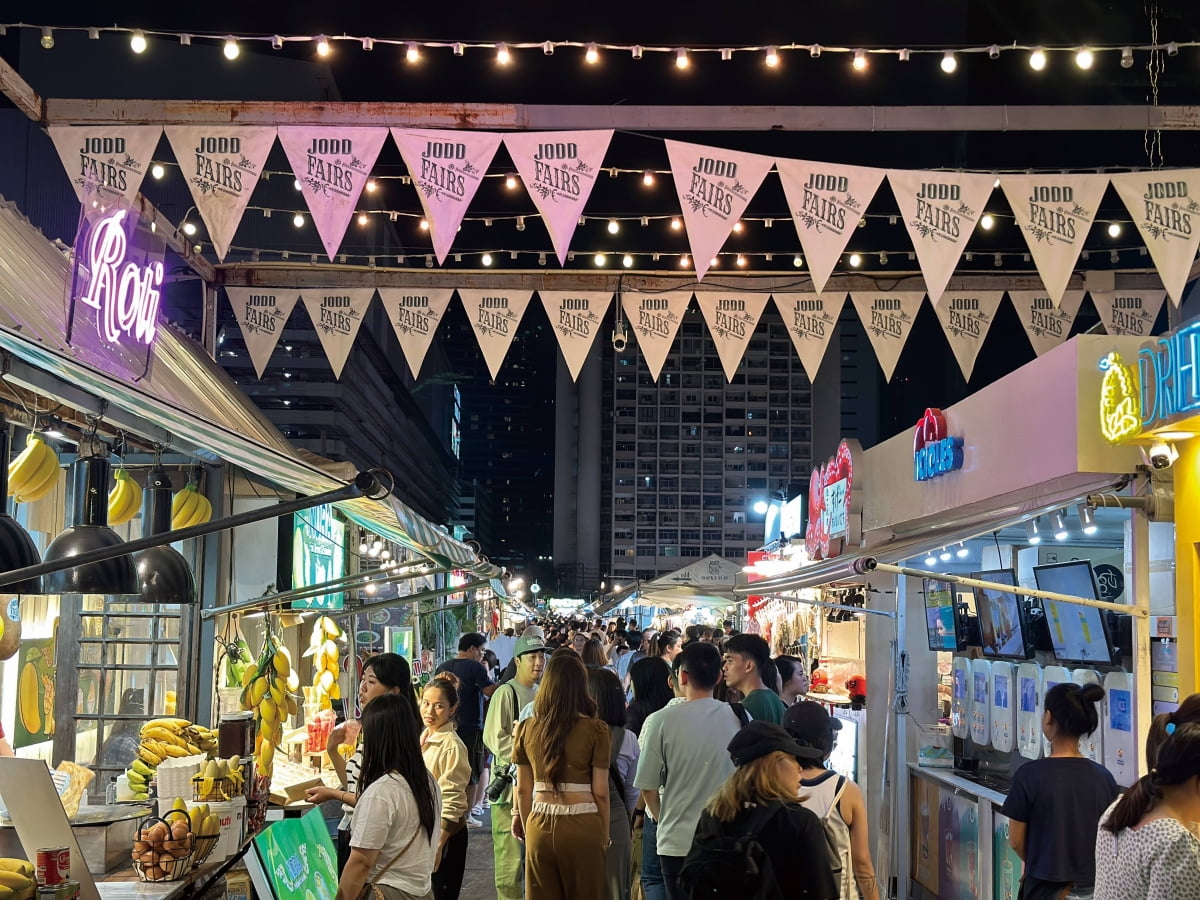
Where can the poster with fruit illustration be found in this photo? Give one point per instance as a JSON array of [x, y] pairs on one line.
[[35, 691]]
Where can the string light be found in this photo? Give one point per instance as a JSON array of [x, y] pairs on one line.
[[904, 55], [137, 43], [486, 259], [683, 261], [772, 57], [322, 45], [648, 178], [949, 62], [47, 39], [627, 261], [1127, 58], [613, 226], [520, 223], [277, 42], [502, 54], [860, 59], [157, 171], [548, 48], [231, 48], [456, 48], [741, 260], [188, 228], [298, 220], [814, 51], [1084, 58], [1114, 229], [592, 55], [738, 227], [371, 185], [510, 182], [676, 224], [855, 260], [993, 51], [368, 43], [726, 54], [362, 219], [411, 53], [599, 259], [636, 51], [987, 222], [1037, 59], [797, 260], [681, 58]]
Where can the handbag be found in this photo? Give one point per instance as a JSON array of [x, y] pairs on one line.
[[370, 890]]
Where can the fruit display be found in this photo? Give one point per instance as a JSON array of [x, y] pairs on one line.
[[238, 659], [34, 473], [189, 507], [218, 780], [124, 500], [267, 690], [323, 648], [164, 739], [16, 879], [162, 847]]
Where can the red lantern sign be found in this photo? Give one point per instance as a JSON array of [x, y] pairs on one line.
[[834, 503]]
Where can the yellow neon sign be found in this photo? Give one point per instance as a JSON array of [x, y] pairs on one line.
[[1120, 405]]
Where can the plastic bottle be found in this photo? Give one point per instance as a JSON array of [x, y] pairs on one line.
[[110, 791]]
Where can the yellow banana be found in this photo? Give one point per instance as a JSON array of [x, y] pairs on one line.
[[148, 756], [165, 735], [41, 479], [170, 724], [28, 462], [124, 499], [180, 496], [187, 508], [34, 494]]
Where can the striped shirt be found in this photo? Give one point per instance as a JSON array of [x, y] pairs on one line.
[[353, 767]]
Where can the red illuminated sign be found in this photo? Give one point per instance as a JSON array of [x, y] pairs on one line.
[[834, 503]]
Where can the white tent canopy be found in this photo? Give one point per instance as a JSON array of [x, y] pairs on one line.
[[708, 582]]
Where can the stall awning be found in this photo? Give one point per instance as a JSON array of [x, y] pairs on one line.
[[187, 400]]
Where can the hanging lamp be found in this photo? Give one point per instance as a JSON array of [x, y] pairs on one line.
[[163, 573], [17, 549]]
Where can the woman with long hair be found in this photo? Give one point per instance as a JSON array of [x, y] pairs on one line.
[[393, 832], [605, 688], [449, 763], [562, 756], [1145, 848], [650, 677], [667, 645], [593, 654], [1055, 803], [794, 677]]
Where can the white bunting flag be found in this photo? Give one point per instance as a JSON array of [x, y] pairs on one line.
[[732, 318], [106, 163], [715, 186], [888, 320], [415, 314], [447, 167], [940, 211], [1046, 324], [337, 314], [261, 313], [559, 169], [576, 317], [810, 320], [1166, 210], [495, 315], [332, 166], [655, 319], [1055, 213], [1128, 312], [966, 319], [221, 165], [827, 202]]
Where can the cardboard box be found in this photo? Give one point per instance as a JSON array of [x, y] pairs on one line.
[[237, 884], [293, 793]]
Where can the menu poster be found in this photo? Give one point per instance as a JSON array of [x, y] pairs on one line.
[[1006, 865], [294, 859], [37, 673], [925, 843]]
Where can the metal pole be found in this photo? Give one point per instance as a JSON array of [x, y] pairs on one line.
[[886, 613]]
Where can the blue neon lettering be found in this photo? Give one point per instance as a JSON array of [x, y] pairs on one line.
[[938, 458]]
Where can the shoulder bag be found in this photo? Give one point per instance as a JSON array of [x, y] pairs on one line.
[[372, 890]]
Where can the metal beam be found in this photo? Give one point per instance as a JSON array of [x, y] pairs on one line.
[[17, 89], [527, 117]]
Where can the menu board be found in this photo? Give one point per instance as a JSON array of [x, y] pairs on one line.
[[294, 859]]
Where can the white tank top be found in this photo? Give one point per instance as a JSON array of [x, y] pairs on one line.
[[818, 795]]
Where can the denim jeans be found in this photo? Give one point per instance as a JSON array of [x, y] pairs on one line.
[[652, 879]]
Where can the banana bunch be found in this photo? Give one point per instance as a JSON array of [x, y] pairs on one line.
[[267, 689], [16, 879], [322, 647], [34, 473], [220, 779], [189, 507], [205, 823], [165, 739], [124, 500], [140, 774]]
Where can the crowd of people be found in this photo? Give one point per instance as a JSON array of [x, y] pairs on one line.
[[628, 765]]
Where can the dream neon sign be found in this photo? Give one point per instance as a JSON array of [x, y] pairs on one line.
[[1169, 374], [935, 452], [125, 295]]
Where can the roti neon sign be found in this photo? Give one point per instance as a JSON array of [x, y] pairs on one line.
[[935, 452], [126, 296]]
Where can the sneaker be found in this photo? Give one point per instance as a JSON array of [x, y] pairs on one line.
[[477, 812], [473, 822], [487, 804]]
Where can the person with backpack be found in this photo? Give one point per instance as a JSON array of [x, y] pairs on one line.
[[605, 688], [754, 840], [837, 801]]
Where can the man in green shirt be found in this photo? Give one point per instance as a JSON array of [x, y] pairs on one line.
[[744, 658]]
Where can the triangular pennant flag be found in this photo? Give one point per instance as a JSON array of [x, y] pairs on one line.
[[732, 318], [1166, 208], [495, 315], [888, 320], [221, 165], [715, 186], [106, 163], [559, 169], [415, 314], [447, 167], [261, 313], [810, 320], [966, 319], [1055, 213], [337, 314], [331, 164], [1128, 312], [576, 317], [1046, 324], [827, 202], [940, 211], [655, 319]]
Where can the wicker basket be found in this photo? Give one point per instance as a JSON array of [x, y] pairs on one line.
[[173, 869], [204, 848], [223, 789]]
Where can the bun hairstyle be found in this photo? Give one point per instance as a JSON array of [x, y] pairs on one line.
[[1073, 708], [448, 684], [1164, 724], [1178, 761]]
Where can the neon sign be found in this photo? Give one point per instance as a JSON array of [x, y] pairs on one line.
[[834, 503], [1120, 413], [1169, 373], [935, 452], [124, 294]]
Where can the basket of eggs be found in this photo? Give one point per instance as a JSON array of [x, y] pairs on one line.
[[163, 847]]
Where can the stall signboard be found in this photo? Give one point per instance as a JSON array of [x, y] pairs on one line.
[[318, 555], [753, 558], [1006, 865], [935, 451], [835, 503], [403, 642], [1120, 400], [1169, 375], [294, 859], [36, 679]]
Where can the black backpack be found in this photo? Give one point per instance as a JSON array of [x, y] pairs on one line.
[[731, 862]]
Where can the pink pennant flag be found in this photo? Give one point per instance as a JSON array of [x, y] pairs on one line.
[[106, 163], [810, 320], [715, 186], [559, 169], [447, 167], [1163, 205], [331, 164]]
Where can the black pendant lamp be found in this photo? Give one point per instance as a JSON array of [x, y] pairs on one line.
[[90, 532], [17, 549], [163, 572]]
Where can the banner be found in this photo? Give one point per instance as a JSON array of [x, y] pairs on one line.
[[105, 163], [940, 211], [1128, 312], [732, 317], [337, 314], [415, 314], [1046, 324], [1055, 213], [827, 201], [966, 320], [1163, 206], [715, 186], [888, 320], [655, 318], [221, 165], [559, 170], [331, 164], [495, 315], [576, 317], [447, 167], [261, 313], [810, 320]]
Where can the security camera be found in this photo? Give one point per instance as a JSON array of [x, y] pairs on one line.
[[1162, 455], [620, 337]]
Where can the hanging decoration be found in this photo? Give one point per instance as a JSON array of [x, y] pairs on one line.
[[888, 320], [559, 169], [415, 314], [261, 314], [337, 315], [732, 317], [106, 163], [576, 317], [495, 315], [655, 319], [1165, 207], [1046, 323], [966, 320], [810, 320], [1128, 312]]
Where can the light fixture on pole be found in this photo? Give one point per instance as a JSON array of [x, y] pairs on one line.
[[1087, 519], [1058, 524], [1031, 532]]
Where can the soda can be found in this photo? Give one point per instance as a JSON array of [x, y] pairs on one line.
[[64, 890], [52, 865]]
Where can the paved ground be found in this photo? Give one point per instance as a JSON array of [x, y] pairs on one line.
[[478, 881]]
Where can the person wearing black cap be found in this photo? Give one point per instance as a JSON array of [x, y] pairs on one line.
[[759, 801]]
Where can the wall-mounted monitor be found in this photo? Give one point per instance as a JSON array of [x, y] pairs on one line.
[[942, 621], [1078, 634], [1003, 621]]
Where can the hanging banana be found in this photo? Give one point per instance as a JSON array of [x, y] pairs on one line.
[[189, 507], [322, 647], [266, 691], [124, 500], [34, 473]]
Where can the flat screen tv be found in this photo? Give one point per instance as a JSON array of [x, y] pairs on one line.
[[294, 859], [945, 630], [1003, 623], [1078, 634]]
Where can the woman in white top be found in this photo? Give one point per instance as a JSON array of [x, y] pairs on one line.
[[1145, 849], [392, 836]]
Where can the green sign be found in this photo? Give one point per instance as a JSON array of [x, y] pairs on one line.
[[318, 555], [294, 859]]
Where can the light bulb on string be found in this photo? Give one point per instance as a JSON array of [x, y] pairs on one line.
[[949, 62], [231, 48], [188, 228], [371, 185], [648, 178], [503, 56], [987, 222], [681, 59], [627, 261], [423, 224], [486, 259], [1084, 58], [322, 45], [157, 171], [298, 220], [1127, 58], [368, 43], [47, 39], [772, 57], [904, 54], [137, 43], [599, 259], [510, 182], [741, 260], [592, 54], [676, 224], [683, 260], [855, 260], [860, 60], [613, 226], [362, 219], [797, 260], [738, 227], [1114, 229], [412, 53], [1037, 59], [548, 48]]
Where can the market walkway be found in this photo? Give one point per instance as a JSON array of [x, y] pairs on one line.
[[479, 880]]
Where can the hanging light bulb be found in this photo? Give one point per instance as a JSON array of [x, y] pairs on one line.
[[592, 54], [904, 55], [636, 51], [949, 62], [423, 224], [322, 45], [741, 260], [231, 48], [137, 43], [648, 178], [860, 60], [548, 48], [1114, 229], [627, 261], [510, 182], [599, 259], [1087, 519], [368, 43], [298, 220], [1031, 532], [772, 57], [157, 171], [987, 222], [362, 219], [486, 259], [738, 227], [681, 59], [503, 56], [1084, 58], [1037, 59], [797, 260], [371, 185], [676, 224], [1127, 58], [47, 40], [683, 260], [855, 260], [189, 229], [412, 53], [520, 223], [613, 226]]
